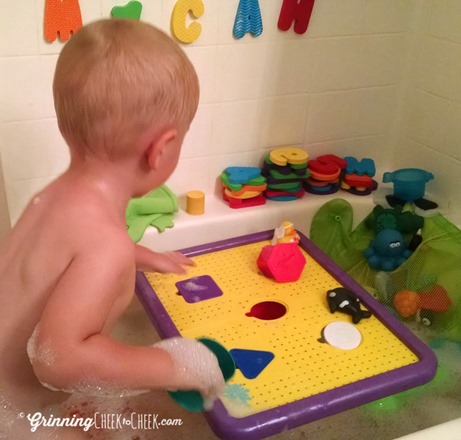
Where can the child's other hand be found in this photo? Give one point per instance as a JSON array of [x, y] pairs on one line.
[[169, 262], [197, 366]]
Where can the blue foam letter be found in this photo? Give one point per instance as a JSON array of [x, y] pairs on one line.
[[248, 19]]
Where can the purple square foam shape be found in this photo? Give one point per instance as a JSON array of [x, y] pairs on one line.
[[198, 289]]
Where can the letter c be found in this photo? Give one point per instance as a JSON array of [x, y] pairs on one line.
[[178, 20]]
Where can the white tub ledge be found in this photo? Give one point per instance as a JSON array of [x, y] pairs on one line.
[[221, 222]]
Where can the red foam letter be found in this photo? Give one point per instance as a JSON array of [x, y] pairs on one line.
[[298, 11]]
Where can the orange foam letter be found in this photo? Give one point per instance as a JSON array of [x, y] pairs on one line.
[[63, 18]]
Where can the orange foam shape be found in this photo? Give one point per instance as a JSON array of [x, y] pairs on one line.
[[407, 303], [63, 18]]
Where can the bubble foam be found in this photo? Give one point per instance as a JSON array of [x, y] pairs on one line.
[[198, 364]]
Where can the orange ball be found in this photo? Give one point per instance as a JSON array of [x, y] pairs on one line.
[[407, 303]]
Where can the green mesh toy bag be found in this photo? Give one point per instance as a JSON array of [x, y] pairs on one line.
[[426, 288], [331, 230]]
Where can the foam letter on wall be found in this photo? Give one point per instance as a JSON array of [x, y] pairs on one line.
[[63, 18], [131, 10], [178, 20], [248, 19], [298, 11]]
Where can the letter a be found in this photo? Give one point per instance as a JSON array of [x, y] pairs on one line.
[[298, 11], [248, 19]]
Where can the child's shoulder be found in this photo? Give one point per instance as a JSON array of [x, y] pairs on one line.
[[109, 252], [107, 240]]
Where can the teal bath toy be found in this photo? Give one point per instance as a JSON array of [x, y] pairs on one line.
[[387, 251], [409, 186]]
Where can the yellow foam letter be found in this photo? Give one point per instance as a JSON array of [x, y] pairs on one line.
[[178, 20], [288, 155]]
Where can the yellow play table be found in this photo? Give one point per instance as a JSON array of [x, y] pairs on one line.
[[290, 373]]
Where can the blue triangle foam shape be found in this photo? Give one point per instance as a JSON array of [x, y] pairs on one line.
[[251, 362]]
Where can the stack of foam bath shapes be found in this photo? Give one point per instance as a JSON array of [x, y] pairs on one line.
[[285, 170], [243, 186], [325, 174], [358, 176]]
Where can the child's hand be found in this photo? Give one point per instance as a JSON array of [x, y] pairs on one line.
[[197, 365], [169, 262]]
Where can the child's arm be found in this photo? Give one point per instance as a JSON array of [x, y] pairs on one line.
[[71, 348], [169, 262]]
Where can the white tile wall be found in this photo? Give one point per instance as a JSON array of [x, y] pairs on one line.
[[369, 77], [333, 18], [444, 20], [282, 120], [240, 70], [288, 68], [388, 16], [35, 147], [31, 78], [204, 60], [430, 132], [18, 26], [234, 130]]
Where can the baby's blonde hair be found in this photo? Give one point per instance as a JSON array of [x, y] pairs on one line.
[[116, 78]]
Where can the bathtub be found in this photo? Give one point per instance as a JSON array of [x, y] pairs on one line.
[[420, 420]]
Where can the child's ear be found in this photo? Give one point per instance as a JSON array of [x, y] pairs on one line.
[[158, 147]]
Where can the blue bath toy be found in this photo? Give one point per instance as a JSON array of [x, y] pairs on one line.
[[409, 186], [387, 251]]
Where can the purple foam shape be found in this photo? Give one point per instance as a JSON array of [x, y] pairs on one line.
[[198, 288]]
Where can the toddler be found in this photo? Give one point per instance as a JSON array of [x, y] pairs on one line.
[[125, 95]]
